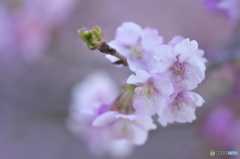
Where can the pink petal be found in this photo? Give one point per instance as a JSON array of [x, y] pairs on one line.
[[163, 85], [185, 48], [128, 33], [150, 38], [165, 118], [144, 106], [164, 54], [140, 77], [130, 117], [194, 74], [198, 100], [140, 136], [187, 114], [124, 50], [146, 122], [175, 40], [105, 119]]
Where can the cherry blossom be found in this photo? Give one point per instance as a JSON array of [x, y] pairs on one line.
[[92, 98], [182, 105], [153, 91], [183, 61], [129, 127], [137, 45]]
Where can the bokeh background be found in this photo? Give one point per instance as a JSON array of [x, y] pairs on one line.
[[42, 58]]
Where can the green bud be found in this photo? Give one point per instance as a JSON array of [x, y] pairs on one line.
[[93, 38]]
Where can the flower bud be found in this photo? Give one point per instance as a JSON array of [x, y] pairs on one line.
[[93, 38]]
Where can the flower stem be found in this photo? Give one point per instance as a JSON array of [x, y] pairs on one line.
[[94, 40], [105, 48]]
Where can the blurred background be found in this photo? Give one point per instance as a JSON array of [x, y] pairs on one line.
[[42, 58]]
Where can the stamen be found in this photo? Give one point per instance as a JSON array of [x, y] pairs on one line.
[[137, 51], [179, 102], [178, 69]]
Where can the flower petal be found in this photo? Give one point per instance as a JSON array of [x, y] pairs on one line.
[[175, 40], [163, 85], [166, 117], [194, 74], [146, 122], [150, 38], [164, 54], [186, 115], [105, 119], [128, 33], [140, 136], [185, 48], [122, 49], [140, 77], [198, 100], [144, 106]]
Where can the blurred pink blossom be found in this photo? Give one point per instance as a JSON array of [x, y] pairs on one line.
[[229, 7], [32, 35], [28, 26], [54, 12], [129, 127], [222, 128], [91, 99]]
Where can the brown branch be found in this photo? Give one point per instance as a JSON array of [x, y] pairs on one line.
[[105, 48]]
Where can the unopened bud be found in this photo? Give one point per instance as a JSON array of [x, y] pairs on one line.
[[93, 38]]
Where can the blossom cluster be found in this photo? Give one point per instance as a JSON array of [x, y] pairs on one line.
[[162, 83]]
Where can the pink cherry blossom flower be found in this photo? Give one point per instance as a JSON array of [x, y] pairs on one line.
[[129, 127], [153, 91], [182, 105], [92, 98], [137, 45], [183, 61], [229, 7], [177, 39]]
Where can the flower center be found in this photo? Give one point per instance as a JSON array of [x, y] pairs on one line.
[[179, 102], [137, 51], [178, 69], [122, 128], [146, 90]]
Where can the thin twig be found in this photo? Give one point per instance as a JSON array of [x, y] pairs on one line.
[[105, 48]]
